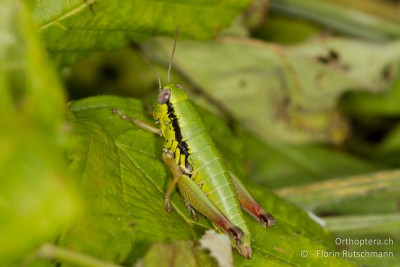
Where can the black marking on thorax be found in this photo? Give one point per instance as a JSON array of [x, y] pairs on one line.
[[182, 145]]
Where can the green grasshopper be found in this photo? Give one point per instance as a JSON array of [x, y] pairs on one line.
[[198, 168]]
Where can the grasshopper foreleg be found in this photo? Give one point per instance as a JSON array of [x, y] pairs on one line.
[[141, 124], [248, 203], [176, 172]]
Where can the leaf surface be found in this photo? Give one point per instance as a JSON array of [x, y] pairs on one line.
[[285, 94], [72, 29], [124, 179]]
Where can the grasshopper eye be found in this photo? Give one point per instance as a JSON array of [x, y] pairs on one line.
[[179, 86], [163, 96]]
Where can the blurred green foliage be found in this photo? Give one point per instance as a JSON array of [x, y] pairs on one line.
[[36, 198], [306, 92]]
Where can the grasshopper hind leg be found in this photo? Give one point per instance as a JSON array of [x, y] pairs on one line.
[[199, 200], [266, 219], [249, 204], [196, 198]]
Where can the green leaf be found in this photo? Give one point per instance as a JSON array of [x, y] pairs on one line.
[[124, 180], [342, 19], [336, 190], [72, 29], [283, 94], [277, 164], [367, 104], [35, 199]]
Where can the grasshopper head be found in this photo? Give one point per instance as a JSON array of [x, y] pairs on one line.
[[171, 93]]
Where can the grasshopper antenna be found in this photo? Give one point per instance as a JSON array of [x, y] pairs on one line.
[[153, 69], [172, 54]]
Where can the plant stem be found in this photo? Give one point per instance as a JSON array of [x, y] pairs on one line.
[[370, 223], [50, 251]]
